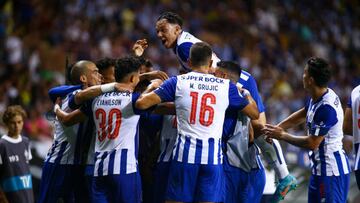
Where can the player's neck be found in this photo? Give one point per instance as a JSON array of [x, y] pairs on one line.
[[13, 135], [318, 92], [85, 85], [234, 79], [201, 69]]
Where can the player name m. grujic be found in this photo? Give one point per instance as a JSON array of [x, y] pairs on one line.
[[204, 87]]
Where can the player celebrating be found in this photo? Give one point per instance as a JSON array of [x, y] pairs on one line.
[[116, 176], [201, 100], [169, 31], [324, 116], [62, 170], [352, 127], [244, 172]]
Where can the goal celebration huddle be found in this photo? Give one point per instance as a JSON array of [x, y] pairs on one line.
[[200, 136]]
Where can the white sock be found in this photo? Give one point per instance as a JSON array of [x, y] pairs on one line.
[[274, 156]]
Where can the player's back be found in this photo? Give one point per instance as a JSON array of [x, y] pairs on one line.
[[116, 133], [200, 100]]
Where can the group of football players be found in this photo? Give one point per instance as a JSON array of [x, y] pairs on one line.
[[211, 125]]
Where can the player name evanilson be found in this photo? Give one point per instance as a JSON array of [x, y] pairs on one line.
[[108, 102]]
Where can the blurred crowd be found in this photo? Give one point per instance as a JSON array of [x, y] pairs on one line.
[[270, 39]]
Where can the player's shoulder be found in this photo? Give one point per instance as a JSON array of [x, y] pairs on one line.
[[187, 37], [246, 76], [25, 139], [330, 98], [2, 140], [356, 91], [330, 95]]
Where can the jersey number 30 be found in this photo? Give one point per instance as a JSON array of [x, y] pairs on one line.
[[204, 108], [106, 123]]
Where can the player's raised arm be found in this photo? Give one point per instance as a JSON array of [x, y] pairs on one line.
[[94, 91], [241, 102], [251, 109], [165, 93], [62, 91], [139, 47], [152, 75]]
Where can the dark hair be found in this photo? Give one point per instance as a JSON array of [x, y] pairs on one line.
[[148, 63], [141, 59], [230, 66], [104, 64], [125, 66], [319, 69], [171, 17], [144, 62], [13, 111], [200, 54]]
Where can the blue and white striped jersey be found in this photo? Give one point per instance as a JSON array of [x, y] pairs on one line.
[[236, 130], [116, 122], [237, 149], [67, 140], [182, 50], [167, 137], [325, 118], [354, 104], [200, 101]]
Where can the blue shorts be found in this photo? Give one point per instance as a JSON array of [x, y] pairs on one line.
[[242, 186], [161, 175], [195, 182], [63, 182], [125, 188], [328, 188]]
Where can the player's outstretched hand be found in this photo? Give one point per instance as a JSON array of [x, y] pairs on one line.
[[272, 131], [155, 75], [140, 46]]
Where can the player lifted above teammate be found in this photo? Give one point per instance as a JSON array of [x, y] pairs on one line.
[[201, 100], [169, 31]]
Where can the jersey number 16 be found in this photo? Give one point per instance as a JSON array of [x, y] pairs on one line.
[[204, 107]]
